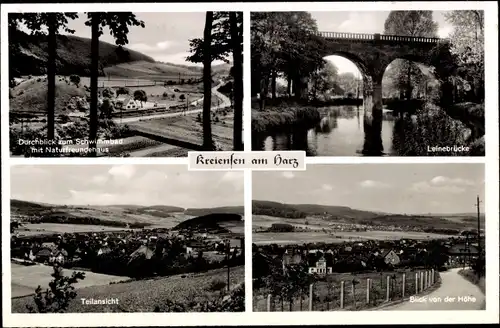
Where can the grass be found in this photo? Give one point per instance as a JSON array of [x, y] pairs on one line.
[[327, 293], [145, 295], [282, 116], [25, 279], [31, 96], [473, 278], [30, 229], [186, 128]]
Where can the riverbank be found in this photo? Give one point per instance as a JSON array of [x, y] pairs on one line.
[[283, 115]]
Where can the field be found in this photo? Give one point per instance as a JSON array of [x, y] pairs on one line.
[[336, 237], [25, 279], [186, 128], [31, 229], [145, 295]]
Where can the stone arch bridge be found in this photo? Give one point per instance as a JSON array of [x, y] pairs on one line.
[[372, 53]]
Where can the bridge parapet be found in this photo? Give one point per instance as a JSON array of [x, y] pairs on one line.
[[379, 37]]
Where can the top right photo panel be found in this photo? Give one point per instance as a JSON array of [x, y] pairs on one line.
[[369, 83]]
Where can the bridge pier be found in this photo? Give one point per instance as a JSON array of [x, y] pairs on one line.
[[372, 120]]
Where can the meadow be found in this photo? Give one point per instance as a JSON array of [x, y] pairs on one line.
[[25, 279], [32, 229], [266, 238], [145, 295]]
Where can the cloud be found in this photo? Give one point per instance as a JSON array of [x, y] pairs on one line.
[[99, 180], [288, 175], [444, 31], [122, 171], [441, 180], [373, 184], [359, 22], [179, 58], [158, 47], [327, 187]]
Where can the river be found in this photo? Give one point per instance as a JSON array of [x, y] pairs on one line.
[[344, 131]]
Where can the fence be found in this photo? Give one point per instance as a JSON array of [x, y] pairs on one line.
[[352, 294]]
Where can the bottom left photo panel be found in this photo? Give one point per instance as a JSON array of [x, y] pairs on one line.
[[126, 238]]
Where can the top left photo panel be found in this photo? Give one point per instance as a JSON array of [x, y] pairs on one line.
[[124, 84]]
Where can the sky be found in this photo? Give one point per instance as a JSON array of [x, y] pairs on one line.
[[390, 188], [363, 22], [146, 185], [165, 36]]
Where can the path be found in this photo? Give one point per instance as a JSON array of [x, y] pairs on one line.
[[226, 102], [453, 285]]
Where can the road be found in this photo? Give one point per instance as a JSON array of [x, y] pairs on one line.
[[226, 102], [453, 285]]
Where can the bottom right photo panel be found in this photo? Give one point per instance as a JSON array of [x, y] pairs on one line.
[[357, 237]]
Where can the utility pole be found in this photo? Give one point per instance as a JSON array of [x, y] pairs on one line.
[[228, 267], [478, 226]]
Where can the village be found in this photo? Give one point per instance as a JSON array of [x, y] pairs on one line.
[[373, 255], [132, 252]]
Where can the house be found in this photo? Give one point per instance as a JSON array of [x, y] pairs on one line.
[[320, 267], [126, 102], [390, 257], [144, 251], [59, 256], [103, 250]]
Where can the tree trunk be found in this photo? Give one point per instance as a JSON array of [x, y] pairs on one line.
[[408, 82], [207, 82], [262, 93], [94, 76], [273, 84], [51, 77], [289, 86], [238, 84]]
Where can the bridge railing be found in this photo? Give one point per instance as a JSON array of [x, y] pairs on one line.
[[378, 37]]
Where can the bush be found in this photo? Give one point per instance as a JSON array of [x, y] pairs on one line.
[[182, 97], [216, 285], [165, 95]]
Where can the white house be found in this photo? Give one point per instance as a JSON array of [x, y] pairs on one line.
[[127, 102], [320, 267]]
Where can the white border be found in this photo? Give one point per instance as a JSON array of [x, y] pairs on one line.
[[490, 315]]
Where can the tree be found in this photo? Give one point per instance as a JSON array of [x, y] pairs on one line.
[[107, 108], [57, 297], [208, 143], [118, 23], [226, 38], [409, 23], [36, 23], [122, 91], [108, 93], [467, 43], [324, 79], [237, 73], [141, 96], [75, 79]]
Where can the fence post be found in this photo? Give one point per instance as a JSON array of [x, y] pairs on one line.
[[388, 288], [416, 282], [425, 279], [404, 286], [421, 281], [269, 303], [433, 276], [368, 287], [341, 294], [311, 297]]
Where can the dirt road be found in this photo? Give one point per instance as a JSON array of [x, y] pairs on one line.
[[455, 293]]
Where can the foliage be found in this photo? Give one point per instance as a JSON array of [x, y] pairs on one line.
[[122, 91], [107, 108], [58, 296], [221, 46], [404, 74], [140, 95], [324, 79], [75, 79], [108, 93]]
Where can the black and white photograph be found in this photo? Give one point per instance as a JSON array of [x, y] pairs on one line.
[[369, 83], [126, 238], [123, 84], [356, 237]]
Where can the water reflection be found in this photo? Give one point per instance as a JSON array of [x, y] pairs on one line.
[[342, 131]]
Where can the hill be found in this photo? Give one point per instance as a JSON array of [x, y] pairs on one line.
[[209, 222], [205, 211], [348, 215], [31, 95], [150, 70], [73, 55]]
